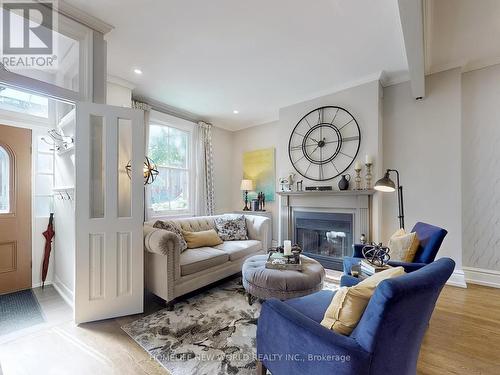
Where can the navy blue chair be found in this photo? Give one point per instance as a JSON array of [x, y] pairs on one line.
[[430, 237], [386, 341]]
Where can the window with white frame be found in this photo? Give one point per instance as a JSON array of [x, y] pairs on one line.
[[72, 42], [170, 147]]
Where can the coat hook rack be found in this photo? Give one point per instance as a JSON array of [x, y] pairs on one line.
[[60, 141], [64, 193]]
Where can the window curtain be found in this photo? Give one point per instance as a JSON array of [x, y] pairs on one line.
[[147, 111], [204, 187]]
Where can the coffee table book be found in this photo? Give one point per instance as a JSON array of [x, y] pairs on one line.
[[371, 269]]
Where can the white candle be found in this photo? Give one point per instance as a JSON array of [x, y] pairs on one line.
[[368, 159], [287, 245], [358, 165]]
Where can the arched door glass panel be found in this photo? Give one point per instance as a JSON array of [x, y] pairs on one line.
[[4, 181]]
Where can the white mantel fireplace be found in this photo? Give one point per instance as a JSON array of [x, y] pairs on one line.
[[325, 223]]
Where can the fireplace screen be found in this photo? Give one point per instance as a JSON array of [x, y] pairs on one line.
[[327, 237]]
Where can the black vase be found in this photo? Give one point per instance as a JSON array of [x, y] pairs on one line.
[[344, 182]]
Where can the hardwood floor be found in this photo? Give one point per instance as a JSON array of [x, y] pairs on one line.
[[464, 333], [463, 338]]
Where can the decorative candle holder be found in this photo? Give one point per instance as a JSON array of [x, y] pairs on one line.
[[357, 179], [368, 176]]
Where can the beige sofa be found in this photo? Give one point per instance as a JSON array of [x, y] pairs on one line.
[[170, 273]]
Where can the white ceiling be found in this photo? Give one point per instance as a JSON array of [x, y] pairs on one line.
[[211, 57], [462, 33]]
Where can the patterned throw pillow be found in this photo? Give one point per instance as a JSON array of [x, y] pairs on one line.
[[174, 229], [231, 228]]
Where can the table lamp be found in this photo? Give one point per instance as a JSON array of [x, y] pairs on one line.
[[246, 186]]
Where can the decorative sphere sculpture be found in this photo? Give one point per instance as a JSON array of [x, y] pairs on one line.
[[376, 254]]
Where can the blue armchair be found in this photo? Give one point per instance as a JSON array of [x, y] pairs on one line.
[[386, 341], [430, 237]]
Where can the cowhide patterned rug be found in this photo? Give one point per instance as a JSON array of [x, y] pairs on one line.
[[210, 333]]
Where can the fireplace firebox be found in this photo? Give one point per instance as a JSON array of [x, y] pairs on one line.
[[324, 236]]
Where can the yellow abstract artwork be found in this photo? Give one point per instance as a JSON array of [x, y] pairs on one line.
[[259, 166]]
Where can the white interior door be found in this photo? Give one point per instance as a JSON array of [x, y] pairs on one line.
[[109, 211]]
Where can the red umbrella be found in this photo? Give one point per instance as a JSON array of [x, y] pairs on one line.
[[48, 234]]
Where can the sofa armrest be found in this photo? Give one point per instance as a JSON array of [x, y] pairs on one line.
[[162, 263], [259, 228], [160, 241], [290, 342]]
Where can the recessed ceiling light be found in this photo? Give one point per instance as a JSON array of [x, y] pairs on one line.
[[236, 111], [137, 71]]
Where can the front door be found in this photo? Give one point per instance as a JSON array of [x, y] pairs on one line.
[[15, 209], [109, 211]]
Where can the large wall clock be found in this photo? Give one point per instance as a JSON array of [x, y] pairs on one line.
[[324, 143]]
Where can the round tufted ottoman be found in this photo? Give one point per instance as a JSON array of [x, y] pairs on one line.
[[265, 283]]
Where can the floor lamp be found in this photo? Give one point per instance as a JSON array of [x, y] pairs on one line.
[[386, 185]]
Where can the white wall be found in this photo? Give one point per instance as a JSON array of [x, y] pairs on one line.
[[222, 141], [422, 139], [118, 95], [481, 169], [64, 221], [363, 102], [257, 137]]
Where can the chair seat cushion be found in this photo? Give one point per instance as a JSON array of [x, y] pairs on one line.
[[239, 249], [196, 260], [314, 305]]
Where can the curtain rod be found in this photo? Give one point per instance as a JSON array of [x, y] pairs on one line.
[[169, 110]]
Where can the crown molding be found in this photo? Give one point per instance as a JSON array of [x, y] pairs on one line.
[[120, 82], [386, 80], [84, 18], [466, 65]]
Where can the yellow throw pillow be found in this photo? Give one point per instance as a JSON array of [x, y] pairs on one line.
[[202, 238], [403, 246], [349, 303]]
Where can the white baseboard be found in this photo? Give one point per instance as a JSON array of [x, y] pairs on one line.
[[63, 290], [457, 278], [482, 276]]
